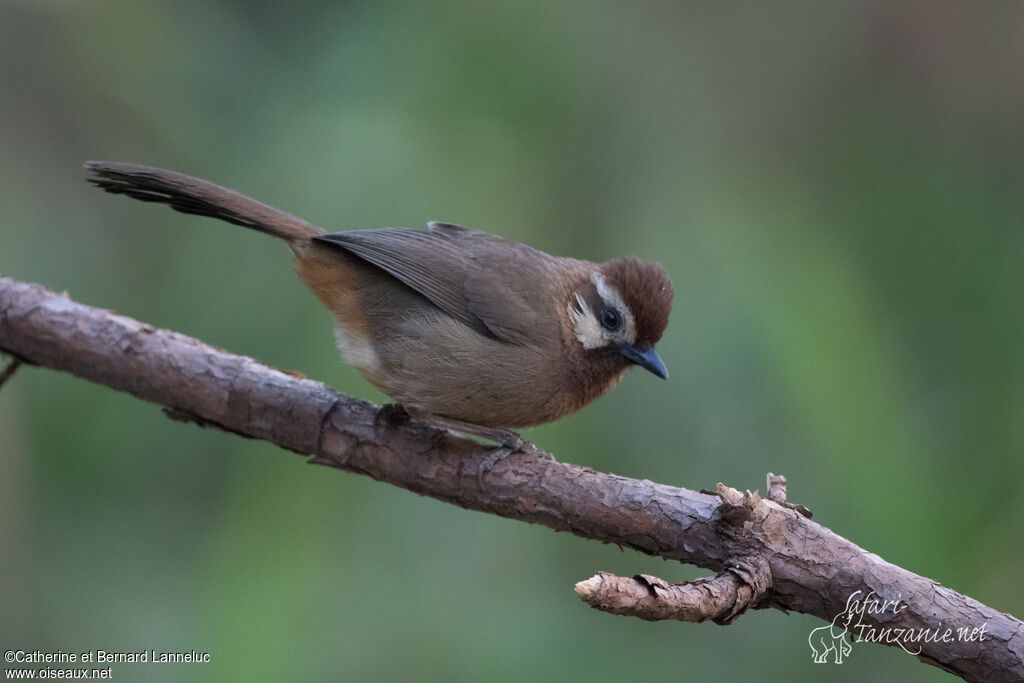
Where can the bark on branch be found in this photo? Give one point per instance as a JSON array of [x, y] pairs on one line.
[[766, 552]]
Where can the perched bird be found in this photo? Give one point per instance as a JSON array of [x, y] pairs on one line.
[[466, 330]]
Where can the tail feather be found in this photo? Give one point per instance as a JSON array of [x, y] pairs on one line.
[[201, 197]]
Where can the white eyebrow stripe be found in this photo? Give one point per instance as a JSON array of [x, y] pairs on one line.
[[607, 294], [614, 299]]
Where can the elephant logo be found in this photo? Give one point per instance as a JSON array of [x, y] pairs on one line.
[[832, 638]]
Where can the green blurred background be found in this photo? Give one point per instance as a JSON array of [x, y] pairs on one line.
[[835, 189]]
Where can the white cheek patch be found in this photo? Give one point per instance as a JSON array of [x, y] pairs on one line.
[[356, 349], [589, 331], [577, 310]]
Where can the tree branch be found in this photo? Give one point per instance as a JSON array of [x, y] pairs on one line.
[[767, 553]]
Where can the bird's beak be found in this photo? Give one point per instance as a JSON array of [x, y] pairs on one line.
[[648, 359]]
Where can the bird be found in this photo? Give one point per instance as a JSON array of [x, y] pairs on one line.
[[465, 330]]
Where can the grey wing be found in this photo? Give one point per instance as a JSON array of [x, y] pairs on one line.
[[426, 261], [509, 285], [471, 275]]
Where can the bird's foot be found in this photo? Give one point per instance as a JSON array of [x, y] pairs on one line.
[[510, 441]]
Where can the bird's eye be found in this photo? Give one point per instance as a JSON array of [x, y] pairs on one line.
[[611, 320]]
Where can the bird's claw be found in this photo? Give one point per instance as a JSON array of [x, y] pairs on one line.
[[510, 443], [492, 458]]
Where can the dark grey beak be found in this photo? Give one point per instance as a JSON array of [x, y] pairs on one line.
[[648, 359]]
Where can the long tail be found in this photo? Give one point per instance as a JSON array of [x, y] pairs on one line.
[[193, 195]]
